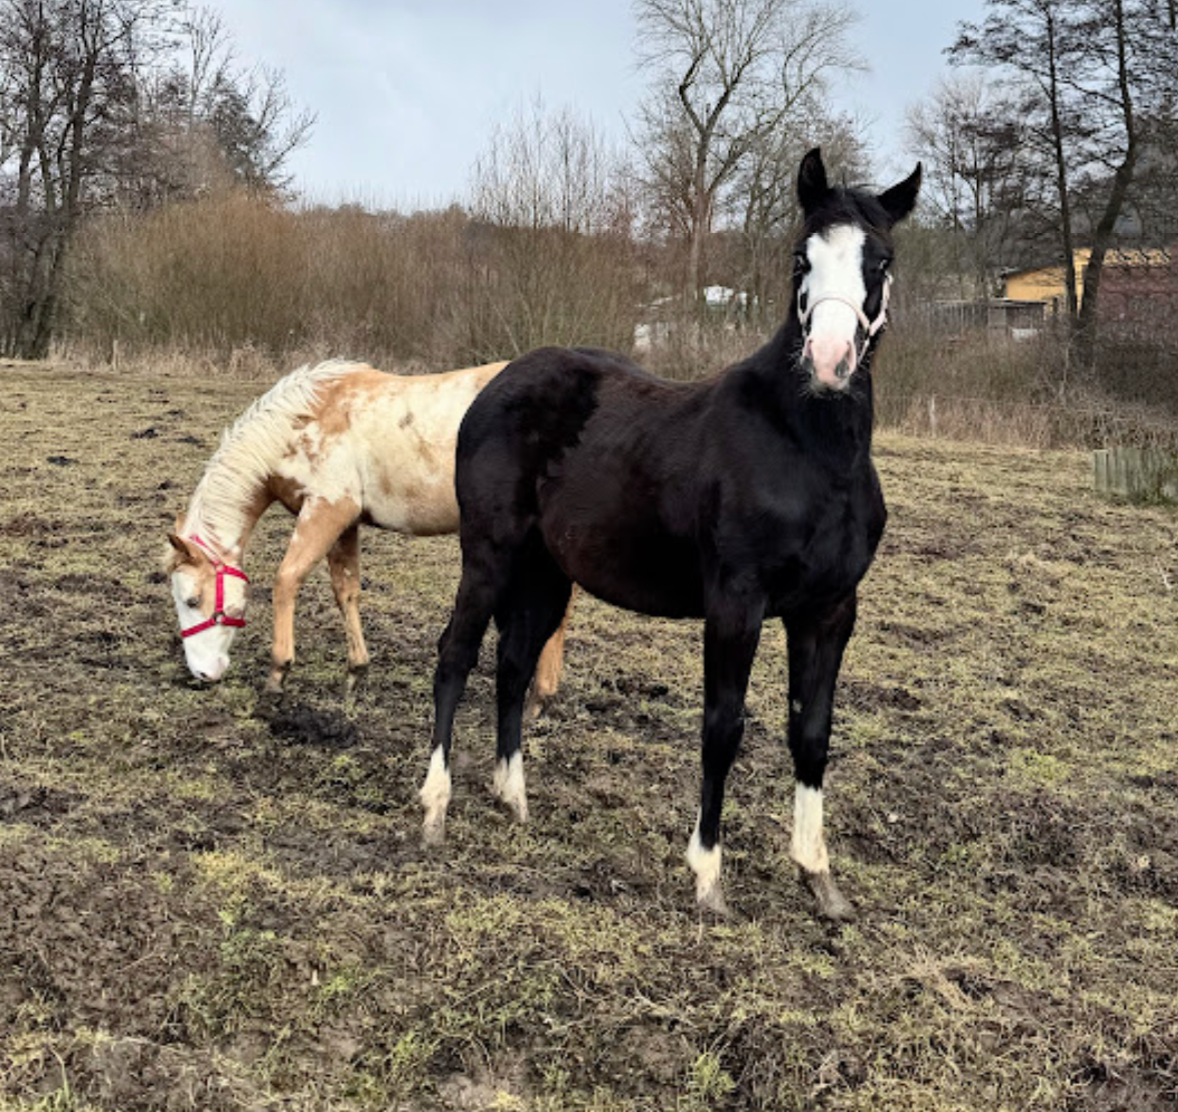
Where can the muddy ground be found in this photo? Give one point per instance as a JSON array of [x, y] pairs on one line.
[[208, 903]]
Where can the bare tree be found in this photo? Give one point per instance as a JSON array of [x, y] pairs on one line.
[[217, 122], [970, 140], [1087, 74], [257, 126], [68, 71], [551, 249], [726, 75], [546, 170], [94, 111]]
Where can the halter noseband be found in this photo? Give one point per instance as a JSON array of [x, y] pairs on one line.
[[870, 327], [219, 617]]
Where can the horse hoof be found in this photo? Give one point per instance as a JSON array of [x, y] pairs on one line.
[[517, 806], [711, 901], [833, 906], [433, 833], [353, 682], [507, 785]]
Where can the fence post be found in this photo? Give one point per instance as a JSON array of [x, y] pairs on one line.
[[1148, 473]]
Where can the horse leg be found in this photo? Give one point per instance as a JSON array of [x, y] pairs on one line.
[[731, 634], [318, 526], [528, 615], [816, 644], [343, 559], [549, 667], [458, 652]]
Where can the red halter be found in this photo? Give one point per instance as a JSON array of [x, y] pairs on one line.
[[219, 618]]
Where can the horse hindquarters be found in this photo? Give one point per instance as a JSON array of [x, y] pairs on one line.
[[498, 519]]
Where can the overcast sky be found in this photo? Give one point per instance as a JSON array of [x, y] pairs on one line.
[[408, 92]]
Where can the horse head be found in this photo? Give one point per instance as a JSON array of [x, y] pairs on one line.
[[210, 596], [842, 270]]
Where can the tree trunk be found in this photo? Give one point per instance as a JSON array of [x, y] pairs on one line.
[[700, 226], [1061, 179], [1086, 328]]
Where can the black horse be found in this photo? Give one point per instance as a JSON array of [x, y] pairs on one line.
[[747, 496]]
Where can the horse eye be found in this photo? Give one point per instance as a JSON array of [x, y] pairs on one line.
[[802, 262], [885, 264], [192, 603]]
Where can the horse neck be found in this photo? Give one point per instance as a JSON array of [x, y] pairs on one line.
[[835, 425], [225, 508]]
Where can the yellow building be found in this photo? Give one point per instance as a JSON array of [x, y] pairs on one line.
[[1046, 283]]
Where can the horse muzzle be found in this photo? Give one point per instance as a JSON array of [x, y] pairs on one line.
[[830, 360]]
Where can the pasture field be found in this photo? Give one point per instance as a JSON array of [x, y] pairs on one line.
[[211, 904]]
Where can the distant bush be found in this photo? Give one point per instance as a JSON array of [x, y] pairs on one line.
[[980, 385], [243, 283], [229, 272]]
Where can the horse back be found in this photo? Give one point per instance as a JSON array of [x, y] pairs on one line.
[[387, 443]]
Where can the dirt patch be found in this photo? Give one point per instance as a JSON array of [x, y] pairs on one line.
[[212, 902]]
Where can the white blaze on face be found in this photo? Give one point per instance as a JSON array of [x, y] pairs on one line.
[[206, 653], [808, 848], [832, 289]]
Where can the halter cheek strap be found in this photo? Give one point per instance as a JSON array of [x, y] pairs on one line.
[[219, 617], [870, 327]]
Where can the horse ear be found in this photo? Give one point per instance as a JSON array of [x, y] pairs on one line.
[[900, 200], [812, 184], [182, 551]]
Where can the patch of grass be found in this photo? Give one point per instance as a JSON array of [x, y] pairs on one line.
[[214, 904]]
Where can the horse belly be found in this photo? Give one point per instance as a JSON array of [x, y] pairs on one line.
[[408, 448], [641, 569], [418, 502]]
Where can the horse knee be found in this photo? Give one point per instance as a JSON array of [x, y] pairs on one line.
[[810, 753]]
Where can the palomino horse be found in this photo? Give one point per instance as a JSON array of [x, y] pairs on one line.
[[747, 496], [337, 444]]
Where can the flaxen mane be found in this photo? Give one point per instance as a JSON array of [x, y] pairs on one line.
[[256, 440]]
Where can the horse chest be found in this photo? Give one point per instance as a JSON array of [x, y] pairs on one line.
[[813, 544]]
